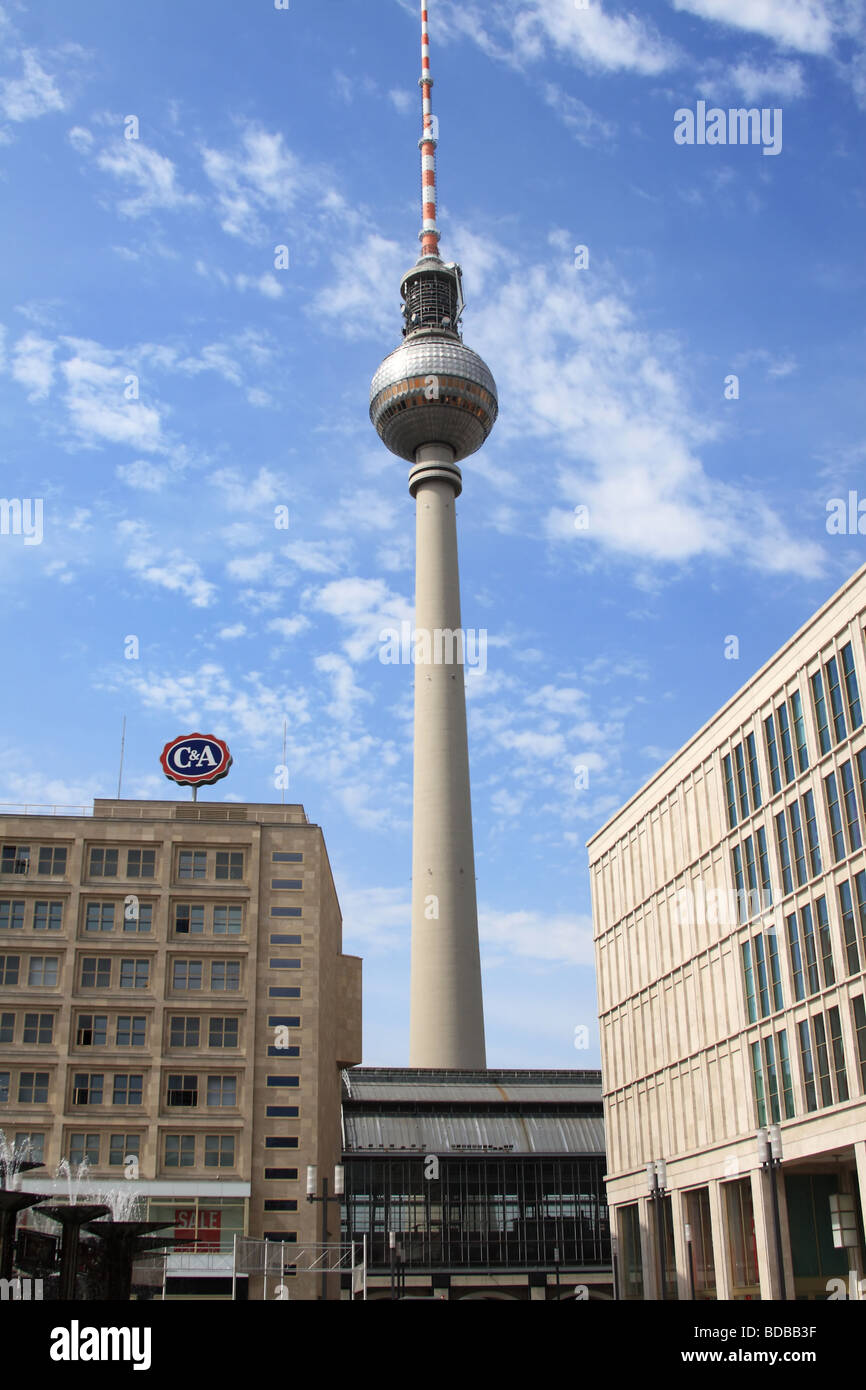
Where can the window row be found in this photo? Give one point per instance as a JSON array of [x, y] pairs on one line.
[[810, 957], [120, 1088], [129, 915], [840, 691], [106, 972], [822, 1062]]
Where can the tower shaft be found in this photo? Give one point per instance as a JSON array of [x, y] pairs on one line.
[[447, 1014]]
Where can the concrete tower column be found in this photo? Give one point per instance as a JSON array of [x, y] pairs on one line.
[[447, 1015]]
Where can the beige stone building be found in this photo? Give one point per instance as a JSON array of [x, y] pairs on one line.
[[175, 1005], [729, 902]]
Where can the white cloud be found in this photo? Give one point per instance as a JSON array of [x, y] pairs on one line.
[[32, 94], [80, 138], [587, 127], [354, 305], [33, 365], [403, 101], [174, 571], [289, 627], [153, 175], [249, 568], [365, 607], [230, 634], [259, 494], [144, 475], [262, 175], [97, 405], [563, 938], [317, 557], [783, 80], [346, 694], [805, 25]]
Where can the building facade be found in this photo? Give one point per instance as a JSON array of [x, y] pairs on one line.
[[175, 1008], [729, 903], [492, 1182]]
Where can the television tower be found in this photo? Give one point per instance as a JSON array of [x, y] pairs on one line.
[[434, 403]]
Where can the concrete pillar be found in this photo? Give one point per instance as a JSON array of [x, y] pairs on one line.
[[680, 1253], [719, 1224], [447, 1016]]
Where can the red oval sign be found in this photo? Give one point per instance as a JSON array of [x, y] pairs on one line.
[[195, 760]]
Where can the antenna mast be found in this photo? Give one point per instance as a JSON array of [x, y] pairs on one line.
[[429, 235]]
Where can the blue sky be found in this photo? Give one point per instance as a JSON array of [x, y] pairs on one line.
[[148, 266]]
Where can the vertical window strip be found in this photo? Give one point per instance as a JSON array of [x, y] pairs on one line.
[[858, 1006], [754, 773], [849, 930], [827, 969], [812, 833], [785, 1068], [741, 781], [796, 956], [860, 888], [799, 731], [823, 1060], [775, 973], [852, 814], [749, 981], [837, 1048], [772, 1081], [852, 692], [729, 791], [785, 740], [837, 709], [784, 853], [860, 761], [758, 1078], [808, 927], [764, 865], [798, 844], [835, 815], [808, 1065], [737, 861], [751, 876], [772, 754], [763, 987], [820, 707]]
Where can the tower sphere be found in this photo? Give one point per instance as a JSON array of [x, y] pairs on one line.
[[433, 390]]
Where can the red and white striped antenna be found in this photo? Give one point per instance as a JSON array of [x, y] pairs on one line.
[[429, 235]]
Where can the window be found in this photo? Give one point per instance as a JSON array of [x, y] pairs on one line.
[[761, 974], [43, 971], [293, 962], [11, 914], [134, 974], [188, 917], [103, 863], [754, 778], [7, 1028], [227, 921], [808, 1065], [799, 731], [858, 1007], [820, 707], [740, 775], [785, 1069], [772, 753], [835, 815], [186, 974], [87, 1088], [740, 883], [15, 859], [785, 742], [131, 1030], [52, 860], [287, 883], [834, 690], [282, 856], [837, 1049], [223, 1032], [852, 694], [852, 816], [274, 1141], [284, 1051], [182, 1090], [282, 940], [38, 1028], [99, 917], [775, 974], [820, 1035], [798, 843], [811, 954], [796, 956], [9, 969], [225, 975], [47, 916], [230, 863], [849, 929], [183, 1031], [812, 834], [4, 1086], [192, 863], [281, 1204], [286, 911], [31, 1146], [284, 992], [283, 1081], [92, 1030], [180, 1151], [823, 1056], [137, 916], [282, 1112], [219, 1151], [825, 943], [140, 863], [96, 972], [784, 853], [84, 1148], [127, 1088], [281, 1174], [121, 1147], [222, 1090]]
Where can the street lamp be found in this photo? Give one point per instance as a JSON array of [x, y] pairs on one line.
[[770, 1159], [657, 1181], [339, 1187]]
